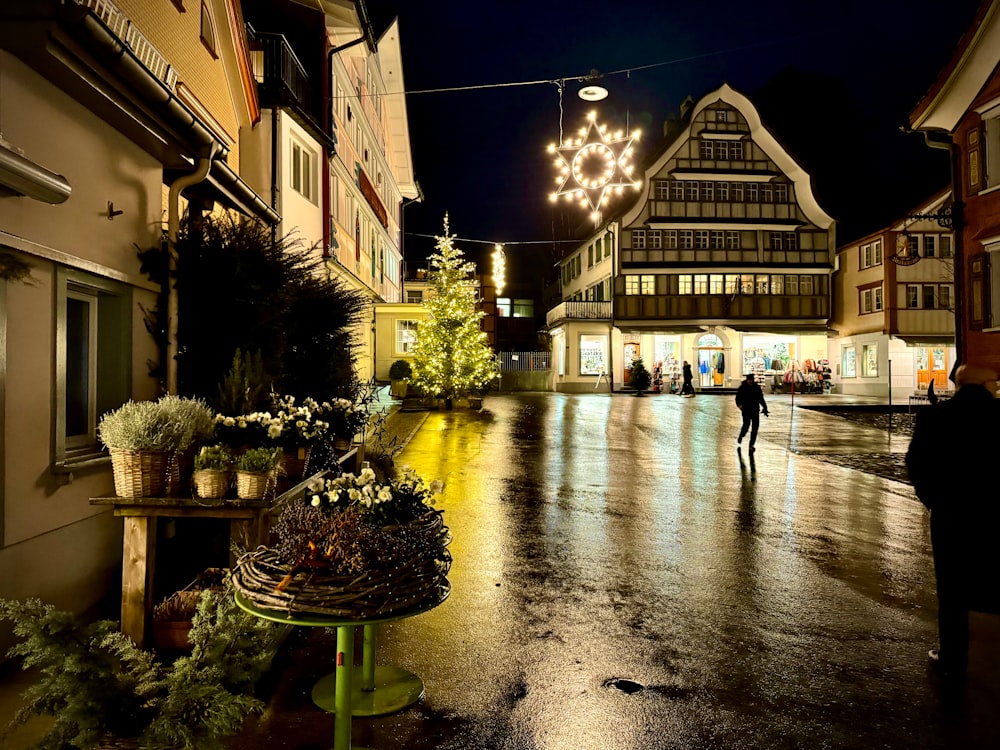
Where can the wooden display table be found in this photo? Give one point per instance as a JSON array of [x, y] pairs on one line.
[[246, 526], [350, 691]]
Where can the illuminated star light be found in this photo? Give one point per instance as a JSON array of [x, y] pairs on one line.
[[594, 166]]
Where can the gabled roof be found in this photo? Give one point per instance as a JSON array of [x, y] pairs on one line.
[[974, 61], [761, 136]]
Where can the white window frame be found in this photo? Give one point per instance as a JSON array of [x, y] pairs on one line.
[[108, 366], [302, 170], [406, 335]]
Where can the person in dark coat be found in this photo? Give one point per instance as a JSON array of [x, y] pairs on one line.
[[952, 463], [688, 388], [750, 400]]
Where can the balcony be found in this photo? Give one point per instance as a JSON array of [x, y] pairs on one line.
[[282, 81], [694, 307], [578, 310]]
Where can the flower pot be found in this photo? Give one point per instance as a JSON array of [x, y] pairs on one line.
[[251, 486], [141, 473], [211, 483], [295, 460]]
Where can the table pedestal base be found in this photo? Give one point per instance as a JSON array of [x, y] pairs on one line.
[[394, 690]]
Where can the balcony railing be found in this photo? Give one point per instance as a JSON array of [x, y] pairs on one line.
[[579, 310], [282, 79], [123, 28]]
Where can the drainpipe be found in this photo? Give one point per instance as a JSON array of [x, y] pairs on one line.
[[201, 171], [946, 142], [611, 328]]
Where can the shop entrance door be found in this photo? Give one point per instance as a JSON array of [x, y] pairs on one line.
[[932, 365], [630, 352], [711, 368]]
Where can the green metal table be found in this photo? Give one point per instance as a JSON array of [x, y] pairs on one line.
[[368, 690]]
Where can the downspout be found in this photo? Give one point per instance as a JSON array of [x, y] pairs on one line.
[[274, 170], [201, 171], [611, 328], [946, 142]]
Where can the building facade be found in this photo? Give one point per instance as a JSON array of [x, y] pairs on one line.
[[724, 262], [894, 307], [114, 117], [961, 113]]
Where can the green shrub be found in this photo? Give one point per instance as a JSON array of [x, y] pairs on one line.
[[400, 370]]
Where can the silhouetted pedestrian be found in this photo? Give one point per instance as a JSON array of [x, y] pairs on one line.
[[750, 400], [952, 464], [688, 388]]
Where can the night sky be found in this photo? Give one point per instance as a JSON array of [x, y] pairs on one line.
[[834, 82]]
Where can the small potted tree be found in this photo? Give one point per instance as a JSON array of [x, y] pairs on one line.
[[399, 373], [639, 378]]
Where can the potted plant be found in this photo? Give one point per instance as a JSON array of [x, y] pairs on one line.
[[400, 373], [639, 378], [255, 471], [144, 438], [212, 468], [101, 688]]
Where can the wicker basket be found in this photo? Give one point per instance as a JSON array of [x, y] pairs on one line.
[[251, 486], [140, 473], [211, 483]]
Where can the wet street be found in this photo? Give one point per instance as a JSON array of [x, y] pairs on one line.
[[624, 579]]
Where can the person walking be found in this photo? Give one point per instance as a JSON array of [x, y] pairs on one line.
[[951, 461], [688, 388], [750, 400]]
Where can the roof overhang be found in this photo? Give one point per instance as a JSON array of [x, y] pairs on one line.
[[961, 82]]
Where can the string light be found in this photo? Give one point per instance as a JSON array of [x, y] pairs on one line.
[[499, 268], [594, 166]]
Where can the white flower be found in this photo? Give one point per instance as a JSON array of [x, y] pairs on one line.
[[274, 431], [228, 421], [367, 475], [384, 495], [316, 501]]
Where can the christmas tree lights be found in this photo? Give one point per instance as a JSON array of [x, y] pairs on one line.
[[452, 356]]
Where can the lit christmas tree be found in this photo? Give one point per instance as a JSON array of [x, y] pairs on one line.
[[452, 356]]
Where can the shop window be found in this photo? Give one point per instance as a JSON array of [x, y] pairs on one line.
[[732, 283], [684, 285], [93, 356], [631, 285], [848, 362], [406, 336], [761, 284], [503, 307], [746, 283], [777, 284], [701, 283], [647, 284], [716, 283], [869, 361], [593, 355]]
